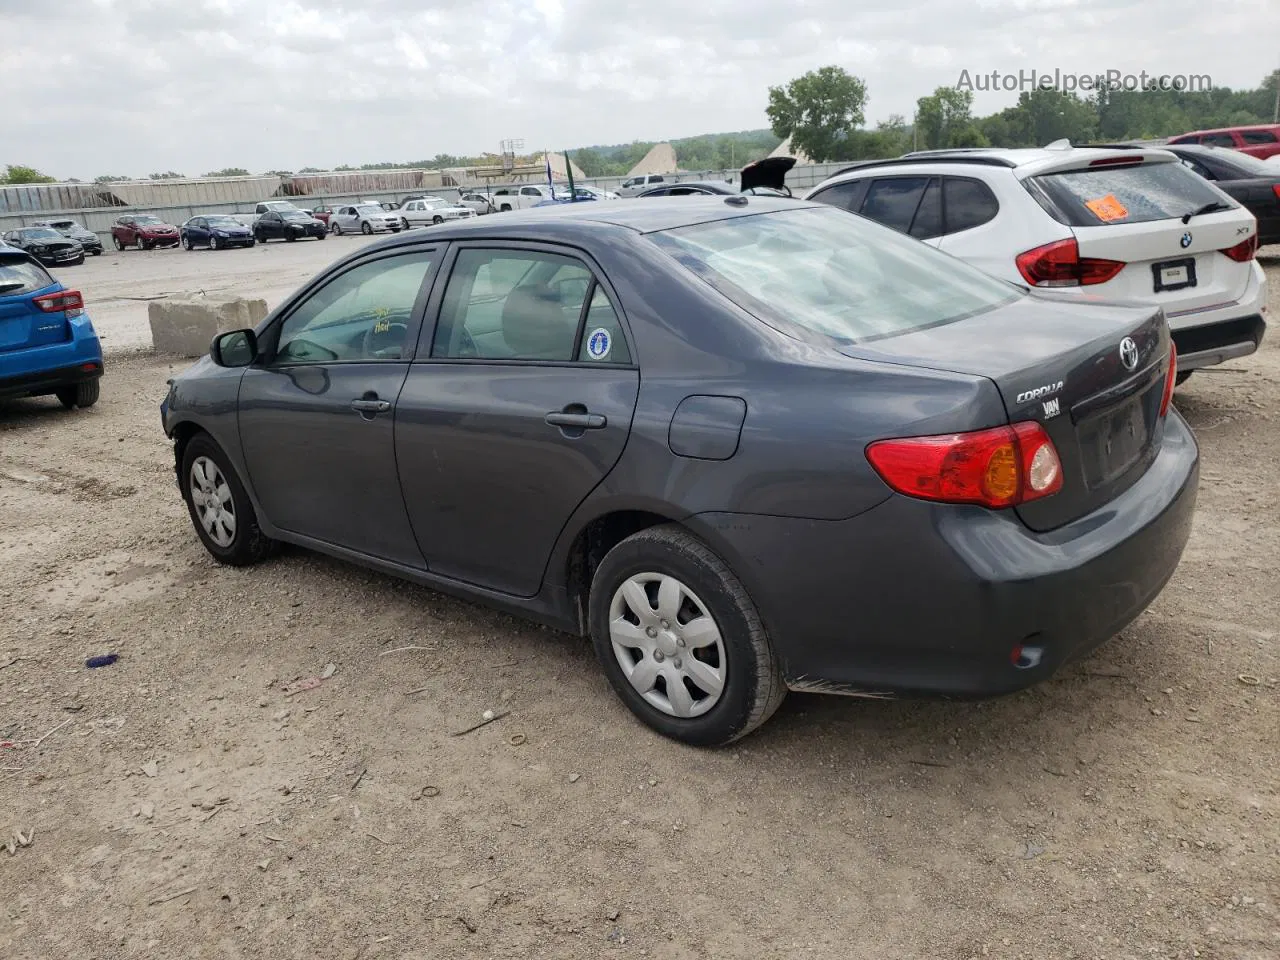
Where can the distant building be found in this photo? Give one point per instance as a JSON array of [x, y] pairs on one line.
[[784, 149]]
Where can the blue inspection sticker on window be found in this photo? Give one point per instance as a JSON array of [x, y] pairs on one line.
[[599, 343]]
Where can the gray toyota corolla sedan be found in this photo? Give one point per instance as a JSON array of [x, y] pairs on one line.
[[745, 444]]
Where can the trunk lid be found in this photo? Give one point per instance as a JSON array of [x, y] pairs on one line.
[[1059, 362], [22, 323], [1132, 209]]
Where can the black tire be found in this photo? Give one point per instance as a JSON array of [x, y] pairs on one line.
[[252, 241], [249, 545], [322, 235], [76, 263], [291, 236], [96, 253], [118, 242], [753, 686], [336, 229], [187, 245], [505, 208], [143, 245], [213, 243], [81, 395], [365, 228], [437, 220], [1181, 377]]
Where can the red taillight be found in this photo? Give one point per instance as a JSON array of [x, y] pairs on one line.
[[1059, 264], [1275, 188], [1243, 251], [1170, 380], [64, 301], [1000, 467]]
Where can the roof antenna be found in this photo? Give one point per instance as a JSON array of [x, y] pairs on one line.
[[1063, 144]]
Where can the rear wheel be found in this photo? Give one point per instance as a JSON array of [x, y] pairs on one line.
[[680, 639], [219, 507], [80, 394]]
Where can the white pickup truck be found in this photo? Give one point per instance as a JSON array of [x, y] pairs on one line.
[[519, 196]]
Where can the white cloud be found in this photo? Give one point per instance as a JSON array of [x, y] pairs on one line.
[[135, 86]]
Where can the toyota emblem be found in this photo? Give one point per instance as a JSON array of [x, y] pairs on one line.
[[1186, 240], [1129, 353]]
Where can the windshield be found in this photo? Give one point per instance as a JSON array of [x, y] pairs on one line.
[[435, 203], [294, 215], [370, 208], [40, 233], [65, 225], [279, 205], [147, 220], [223, 222], [1108, 195], [833, 273]]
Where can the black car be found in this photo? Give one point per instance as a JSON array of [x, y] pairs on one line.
[[288, 225], [47, 245], [743, 443], [1248, 180], [73, 230]]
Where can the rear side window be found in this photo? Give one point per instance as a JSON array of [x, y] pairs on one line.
[[846, 196], [893, 201], [1218, 140], [969, 203], [1258, 136], [833, 274], [1139, 194], [655, 180], [21, 276]]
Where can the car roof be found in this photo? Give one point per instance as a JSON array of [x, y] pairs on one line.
[[569, 220], [1240, 129], [709, 184], [1024, 161]]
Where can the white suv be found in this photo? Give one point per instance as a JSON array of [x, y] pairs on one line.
[[1115, 224]]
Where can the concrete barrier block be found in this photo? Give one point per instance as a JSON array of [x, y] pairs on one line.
[[184, 325]]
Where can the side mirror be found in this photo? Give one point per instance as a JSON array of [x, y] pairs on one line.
[[235, 349]]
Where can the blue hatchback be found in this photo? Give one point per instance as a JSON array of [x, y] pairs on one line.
[[47, 342]]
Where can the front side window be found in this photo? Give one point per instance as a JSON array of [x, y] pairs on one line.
[[363, 314], [1254, 137], [833, 274], [512, 305]]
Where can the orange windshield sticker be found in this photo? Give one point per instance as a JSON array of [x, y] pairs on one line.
[[1107, 208]]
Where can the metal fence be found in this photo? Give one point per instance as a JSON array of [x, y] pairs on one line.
[[100, 219]]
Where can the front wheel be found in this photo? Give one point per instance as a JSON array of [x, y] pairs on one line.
[[219, 507], [365, 228], [96, 253], [214, 243], [680, 640], [79, 395], [186, 244], [118, 242], [336, 229]]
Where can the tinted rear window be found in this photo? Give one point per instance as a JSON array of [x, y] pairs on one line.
[[21, 276], [1103, 195], [831, 273], [970, 203], [893, 201], [1258, 136]]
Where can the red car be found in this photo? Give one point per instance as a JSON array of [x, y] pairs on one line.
[[143, 231], [322, 213], [1259, 141]]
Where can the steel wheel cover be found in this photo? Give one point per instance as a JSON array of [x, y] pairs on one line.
[[668, 645], [211, 497]]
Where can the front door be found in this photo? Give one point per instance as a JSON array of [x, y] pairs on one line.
[[520, 409], [317, 416]]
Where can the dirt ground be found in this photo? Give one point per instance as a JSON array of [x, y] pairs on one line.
[[187, 802]]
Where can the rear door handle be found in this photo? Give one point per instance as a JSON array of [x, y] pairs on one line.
[[580, 421]]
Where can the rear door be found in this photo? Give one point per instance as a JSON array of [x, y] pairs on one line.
[[1134, 213], [518, 405], [22, 323]]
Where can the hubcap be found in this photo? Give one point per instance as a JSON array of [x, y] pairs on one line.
[[667, 644], [211, 497]]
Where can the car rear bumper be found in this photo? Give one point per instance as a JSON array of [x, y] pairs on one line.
[[39, 370], [914, 597], [1214, 334]]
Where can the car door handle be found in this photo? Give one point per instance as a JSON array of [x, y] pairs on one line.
[[580, 421], [371, 406]]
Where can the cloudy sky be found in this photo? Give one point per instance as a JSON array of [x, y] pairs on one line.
[[138, 86]]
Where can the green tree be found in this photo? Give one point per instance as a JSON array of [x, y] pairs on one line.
[[109, 178], [17, 174], [228, 172], [818, 111], [170, 175], [941, 115], [279, 173], [311, 170]]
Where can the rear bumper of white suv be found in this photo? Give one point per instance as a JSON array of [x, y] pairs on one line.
[[1224, 331]]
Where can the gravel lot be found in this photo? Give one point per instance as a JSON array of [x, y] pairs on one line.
[[185, 803]]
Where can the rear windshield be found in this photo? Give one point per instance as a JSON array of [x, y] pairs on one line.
[[1104, 195], [21, 276], [833, 273], [1251, 165]]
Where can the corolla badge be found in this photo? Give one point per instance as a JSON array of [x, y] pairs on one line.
[[1129, 353], [1186, 240]]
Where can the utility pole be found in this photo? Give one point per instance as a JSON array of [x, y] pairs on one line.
[[1275, 113]]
